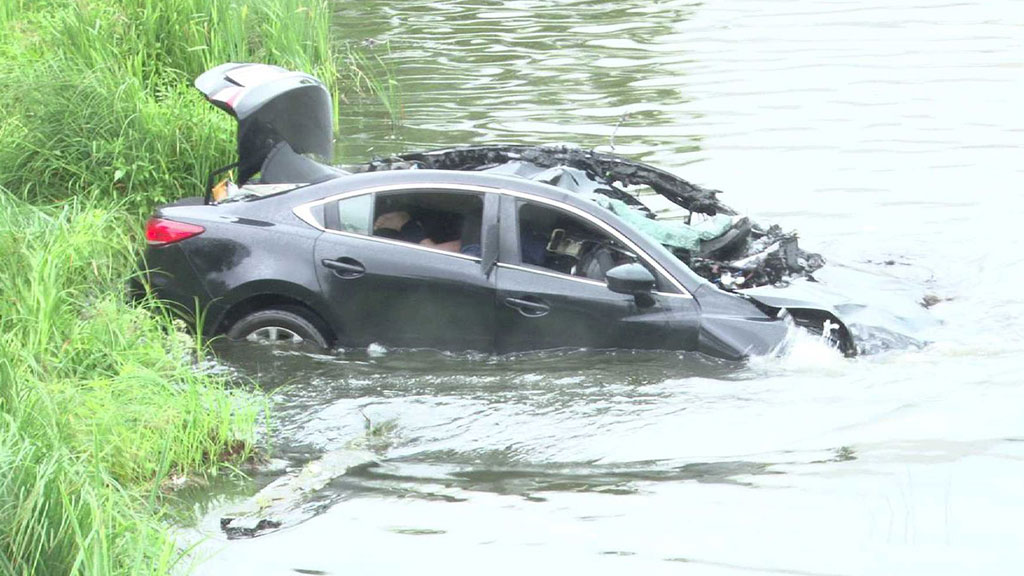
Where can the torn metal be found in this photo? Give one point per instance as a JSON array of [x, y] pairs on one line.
[[710, 237]]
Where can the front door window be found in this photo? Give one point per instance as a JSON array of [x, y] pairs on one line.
[[561, 242], [552, 291]]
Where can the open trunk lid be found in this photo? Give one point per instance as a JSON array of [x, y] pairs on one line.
[[272, 105]]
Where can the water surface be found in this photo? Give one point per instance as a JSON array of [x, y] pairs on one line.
[[884, 131]]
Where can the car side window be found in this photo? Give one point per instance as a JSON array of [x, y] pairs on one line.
[[437, 219], [354, 214], [562, 242], [448, 221]]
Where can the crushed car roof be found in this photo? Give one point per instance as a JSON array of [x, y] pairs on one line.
[[285, 117]]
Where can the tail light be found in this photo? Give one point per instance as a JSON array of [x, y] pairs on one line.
[[160, 231]]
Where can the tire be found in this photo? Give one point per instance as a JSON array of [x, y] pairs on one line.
[[275, 326]]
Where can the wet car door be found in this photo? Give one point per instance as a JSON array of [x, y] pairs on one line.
[[409, 291], [546, 300]]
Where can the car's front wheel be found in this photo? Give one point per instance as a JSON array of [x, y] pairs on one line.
[[276, 326]]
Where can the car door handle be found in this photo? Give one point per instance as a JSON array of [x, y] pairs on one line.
[[531, 308], [345, 267]]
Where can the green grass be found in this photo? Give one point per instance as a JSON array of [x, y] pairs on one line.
[[368, 72], [100, 402], [88, 361], [61, 516], [98, 94]]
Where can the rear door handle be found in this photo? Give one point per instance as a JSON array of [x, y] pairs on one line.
[[345, 267], [529, 306]]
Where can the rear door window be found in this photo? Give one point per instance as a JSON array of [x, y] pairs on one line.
[[449, 221], [442, 220]]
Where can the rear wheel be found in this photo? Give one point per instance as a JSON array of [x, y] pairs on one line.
[[275, 326]]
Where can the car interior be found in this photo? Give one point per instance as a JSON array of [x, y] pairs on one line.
[[444, 220], [560, 242], [451, 221]]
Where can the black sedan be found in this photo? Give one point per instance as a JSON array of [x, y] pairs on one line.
[[469, 249]]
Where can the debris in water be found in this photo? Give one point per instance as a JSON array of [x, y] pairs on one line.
[[280, 503], [930, 300]]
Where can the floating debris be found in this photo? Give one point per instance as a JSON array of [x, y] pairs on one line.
[[281, 503]]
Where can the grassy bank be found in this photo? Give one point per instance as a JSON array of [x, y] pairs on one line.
[[98, 94], [99, 402]]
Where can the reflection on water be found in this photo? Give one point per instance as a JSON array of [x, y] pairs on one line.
[[396, 478], [524, 72], [887, 132]]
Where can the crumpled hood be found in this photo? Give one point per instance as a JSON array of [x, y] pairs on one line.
[[881, 312]]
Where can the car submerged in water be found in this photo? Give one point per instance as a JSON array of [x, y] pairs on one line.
[[491, 248]]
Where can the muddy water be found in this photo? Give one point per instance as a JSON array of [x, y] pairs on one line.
[[889, 133]]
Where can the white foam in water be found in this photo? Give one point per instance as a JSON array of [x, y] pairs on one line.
[[376, 350], [801, 351], [845, 121]]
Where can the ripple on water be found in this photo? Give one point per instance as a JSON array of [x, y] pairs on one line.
[[881, 130]]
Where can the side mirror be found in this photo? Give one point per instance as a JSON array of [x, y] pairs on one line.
[[632, 279]]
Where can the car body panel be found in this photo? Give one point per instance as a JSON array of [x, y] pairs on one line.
[[271, 245], [235, 259], [562, 311], [170, 275], [406, 295], [413, 296]]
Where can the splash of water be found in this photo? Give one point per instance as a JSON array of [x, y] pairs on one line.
[[803, 351], [376, 350]]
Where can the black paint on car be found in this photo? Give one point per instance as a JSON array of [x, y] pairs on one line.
[[453, 259]]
